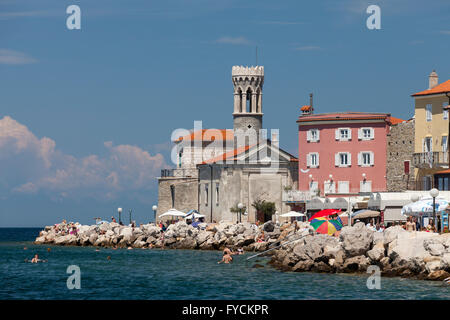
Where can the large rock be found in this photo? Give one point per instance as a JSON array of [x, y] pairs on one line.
[[356, 264], [434, 246], [439, 275], [407, 250], [356, 240], [377, 252], [269, 226], [127, 235], [105, 227]]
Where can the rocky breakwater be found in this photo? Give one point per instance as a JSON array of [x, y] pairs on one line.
[[396, 252], [177, 236]]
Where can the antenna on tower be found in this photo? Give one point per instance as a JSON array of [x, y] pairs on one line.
[[311, 102]]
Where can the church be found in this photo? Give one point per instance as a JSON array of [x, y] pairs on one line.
[[219, 168]]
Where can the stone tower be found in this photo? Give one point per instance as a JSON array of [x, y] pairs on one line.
[[248, 83]]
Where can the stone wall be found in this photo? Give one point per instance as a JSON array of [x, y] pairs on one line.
[[400, 148], [186, 194]]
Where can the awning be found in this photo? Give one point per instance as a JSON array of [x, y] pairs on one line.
[[362, 214], [393, 214]]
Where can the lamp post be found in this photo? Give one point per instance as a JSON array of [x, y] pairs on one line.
[[240, 206], [129, 211], [119, 210], [154, 208], [434, 193]]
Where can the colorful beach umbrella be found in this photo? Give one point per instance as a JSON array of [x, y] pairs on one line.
[[324, 213], [324, 226]]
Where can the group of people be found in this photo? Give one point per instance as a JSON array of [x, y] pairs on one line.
[[227, 255], [375, 227], [65, 228], [412, 224]]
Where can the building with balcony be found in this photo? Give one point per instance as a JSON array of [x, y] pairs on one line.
[[343, 154], [430, 158]]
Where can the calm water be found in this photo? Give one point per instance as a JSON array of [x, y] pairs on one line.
[[176, 274]]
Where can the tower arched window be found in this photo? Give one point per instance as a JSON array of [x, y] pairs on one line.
[[248, 101]]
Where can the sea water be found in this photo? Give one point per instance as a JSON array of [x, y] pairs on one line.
[[176, 274]]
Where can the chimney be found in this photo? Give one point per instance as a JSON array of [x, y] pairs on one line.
[[433, 80]]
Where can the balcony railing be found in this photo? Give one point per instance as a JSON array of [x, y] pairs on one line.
[[430, 159], [179, 173]]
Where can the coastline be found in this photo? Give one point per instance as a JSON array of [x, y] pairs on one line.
[[396, 252]]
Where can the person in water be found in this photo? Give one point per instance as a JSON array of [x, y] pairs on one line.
[[36, 259], [226, 259]]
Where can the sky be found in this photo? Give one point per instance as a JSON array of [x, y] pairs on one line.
[[86, 116]]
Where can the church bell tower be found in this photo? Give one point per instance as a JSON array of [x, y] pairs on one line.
[[248, 84]]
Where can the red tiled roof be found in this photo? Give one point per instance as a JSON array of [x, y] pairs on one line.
[[227, 155], [305, 108], [396, 120], [343, 116], [440, 88], [209, 135]]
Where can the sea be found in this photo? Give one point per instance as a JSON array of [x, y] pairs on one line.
[[155, 274]]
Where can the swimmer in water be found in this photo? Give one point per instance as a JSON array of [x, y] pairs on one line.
[[108, 258], [49, 249], [226, 259], [35, 259]]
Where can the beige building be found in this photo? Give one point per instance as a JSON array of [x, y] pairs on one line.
[[430, 157]]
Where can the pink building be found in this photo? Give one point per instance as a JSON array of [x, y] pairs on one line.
[[343, 153]]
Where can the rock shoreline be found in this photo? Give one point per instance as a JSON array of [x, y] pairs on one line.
[[177, 236], [396, 252]]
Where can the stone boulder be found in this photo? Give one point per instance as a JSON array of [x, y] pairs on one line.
[[356, 240], [377, 252], [355, 264], [269, 226]]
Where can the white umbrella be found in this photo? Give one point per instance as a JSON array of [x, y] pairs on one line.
[[424, 206], [292, 214], [173, 213]]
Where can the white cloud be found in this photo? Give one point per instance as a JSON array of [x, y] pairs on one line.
[[234, 40], [15, 57], [32, 165]]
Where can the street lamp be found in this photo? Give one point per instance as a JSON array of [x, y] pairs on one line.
[[415, 198], [119, 210], [129, 211], [434, 193], [154, 208], [240, 206]]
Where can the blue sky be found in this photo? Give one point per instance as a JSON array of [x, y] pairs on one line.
[[90, 112]]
